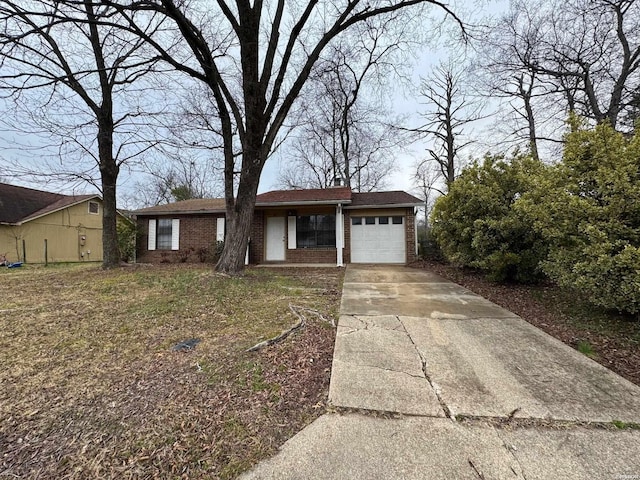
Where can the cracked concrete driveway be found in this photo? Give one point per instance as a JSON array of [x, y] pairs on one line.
[[435, 382]]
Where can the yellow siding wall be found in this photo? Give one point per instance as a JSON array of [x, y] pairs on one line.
[[63, 230]]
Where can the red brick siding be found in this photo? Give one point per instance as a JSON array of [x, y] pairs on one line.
[[346, 253], [311, 255], [196, 232], [410, 235], [256, 247]]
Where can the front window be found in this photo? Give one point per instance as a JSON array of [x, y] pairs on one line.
[[163, 237], [316, 231]]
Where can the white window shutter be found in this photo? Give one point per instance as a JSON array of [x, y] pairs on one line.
[[291, 244], [151, 245], [220, 229], [175, 234]]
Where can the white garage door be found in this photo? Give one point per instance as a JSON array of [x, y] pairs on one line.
[[378, 239]]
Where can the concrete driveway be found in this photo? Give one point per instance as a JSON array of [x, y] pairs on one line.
[[431, 381]]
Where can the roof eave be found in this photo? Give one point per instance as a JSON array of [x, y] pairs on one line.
[[386, 205], [176, 212], [303, 203]]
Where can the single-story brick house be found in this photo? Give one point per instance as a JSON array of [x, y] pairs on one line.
[[333, 225]]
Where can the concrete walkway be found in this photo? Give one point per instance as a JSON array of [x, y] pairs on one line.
[[431, 381]]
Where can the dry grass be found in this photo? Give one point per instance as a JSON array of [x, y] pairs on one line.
[[91, 388]]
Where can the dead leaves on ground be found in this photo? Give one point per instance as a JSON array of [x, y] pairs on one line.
[[93, 390]]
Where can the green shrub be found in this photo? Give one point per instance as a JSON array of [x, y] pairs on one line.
[[588, 211], [428, 246], [126, 231], [476, 226]]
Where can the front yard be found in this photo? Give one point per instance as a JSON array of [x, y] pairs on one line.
[[91, 387]]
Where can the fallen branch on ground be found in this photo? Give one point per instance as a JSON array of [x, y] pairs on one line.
[[316, 313], [302, 320]]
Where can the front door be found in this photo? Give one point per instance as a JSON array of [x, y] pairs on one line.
[[275, 239]]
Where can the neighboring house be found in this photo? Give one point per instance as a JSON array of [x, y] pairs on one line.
[[71, 226], [333, 225]]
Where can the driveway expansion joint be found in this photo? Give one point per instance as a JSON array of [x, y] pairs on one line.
[[372, 412]]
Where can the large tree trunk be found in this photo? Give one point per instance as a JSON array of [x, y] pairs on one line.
[[109, 175], [239, 210], [238, 225]]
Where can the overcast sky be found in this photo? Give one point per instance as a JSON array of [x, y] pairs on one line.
[[403, 102]]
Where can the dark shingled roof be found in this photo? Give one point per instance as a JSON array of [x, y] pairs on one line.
[[17, 203], [312, 195], [288, 197], [372, 199], [195, 205], [20, 204]]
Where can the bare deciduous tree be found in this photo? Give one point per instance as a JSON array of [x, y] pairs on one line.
[[256, 62], [345, 132], [72, 76], [502, 63], [428, 180], [182, 176], [592, 52], [450, 107]]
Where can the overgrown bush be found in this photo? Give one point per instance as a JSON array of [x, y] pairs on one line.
[[216, 251], [184, 254], [476, 226], [126, 231], [588, 211], [428, 246]]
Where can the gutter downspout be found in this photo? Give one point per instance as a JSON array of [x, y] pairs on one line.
[[415, 227], [339, 235]]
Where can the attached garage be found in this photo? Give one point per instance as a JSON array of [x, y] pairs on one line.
[[378, 239], [382, 227]]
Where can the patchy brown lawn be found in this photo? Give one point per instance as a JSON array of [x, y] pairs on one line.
[[609, 338], [91, 388]]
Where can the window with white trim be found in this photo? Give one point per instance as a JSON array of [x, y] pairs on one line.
[[316, 231], [94, 208], [164, 234]]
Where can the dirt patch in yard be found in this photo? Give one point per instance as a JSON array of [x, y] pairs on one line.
[[607, 337], [92, 388]]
